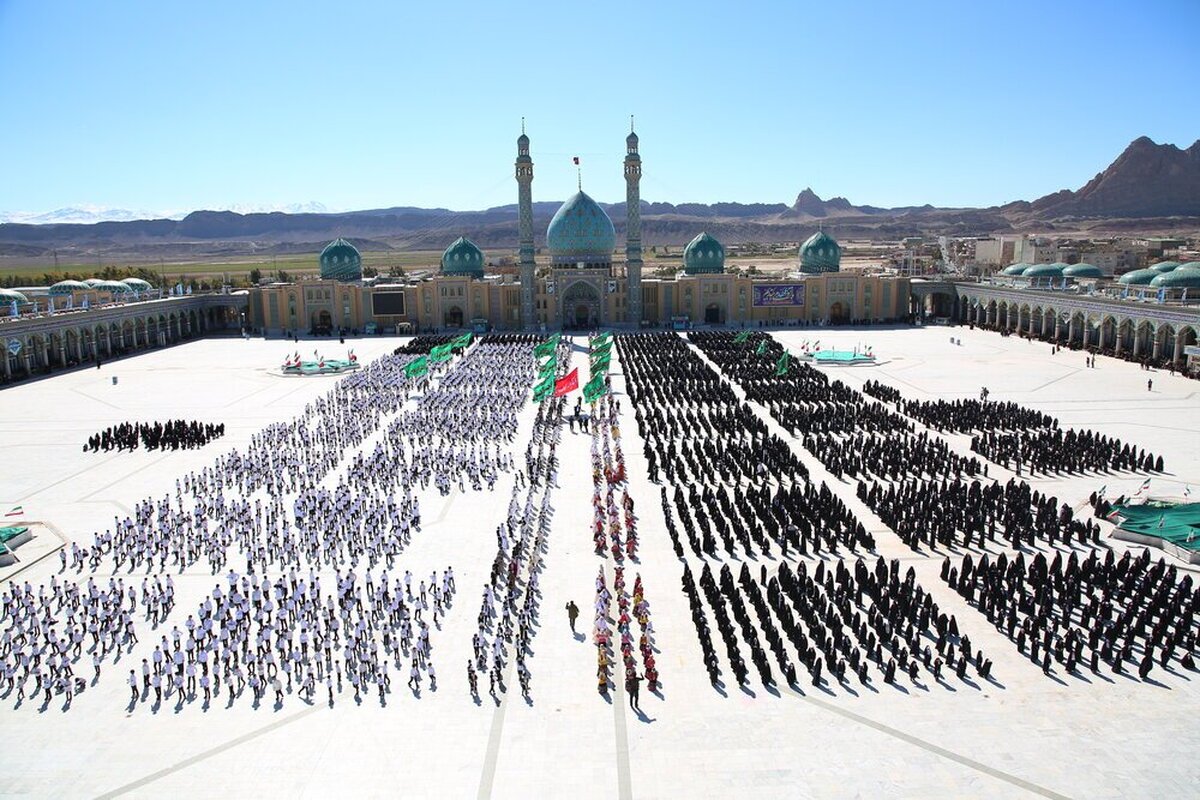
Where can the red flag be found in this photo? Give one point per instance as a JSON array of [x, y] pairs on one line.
[[576, 161], [568, 384]]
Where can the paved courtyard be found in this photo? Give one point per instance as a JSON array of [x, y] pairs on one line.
[[1021, 734]]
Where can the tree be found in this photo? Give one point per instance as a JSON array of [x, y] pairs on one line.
[[395, 271], [255, 276], [370, 272]]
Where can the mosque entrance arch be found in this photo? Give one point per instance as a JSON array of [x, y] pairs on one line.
[[713, 315], [453, 318], [581, 305], [322, 322], [839, 314]]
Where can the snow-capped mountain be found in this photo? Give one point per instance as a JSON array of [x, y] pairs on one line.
[[86, 214]]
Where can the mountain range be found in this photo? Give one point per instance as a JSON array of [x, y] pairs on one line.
[[1149, 188]]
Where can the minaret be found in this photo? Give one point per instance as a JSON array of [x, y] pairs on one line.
[[524, 167], [633, 226]]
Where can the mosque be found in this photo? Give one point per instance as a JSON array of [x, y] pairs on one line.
[[577, 281]]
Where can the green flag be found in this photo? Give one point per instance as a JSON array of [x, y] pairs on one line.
[[462, 341], [544, 389], [600, 364], [741, 337], [601, 340], [781, 367], [547, 369], [595, 388], [545, 348], [417, 367], [762, 348], [601, 350], [442, 352]]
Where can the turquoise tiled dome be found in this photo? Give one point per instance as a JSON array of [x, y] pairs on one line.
[[1165, 266], [1083, 271], [340, 261], [821, 253], [1178, 279], [703, 254], [581, 231], [137, 284], [1139, 277], [1044, 271], [7, 296], [462, 257], [1015, 269], [67, 287], [1190, 265], [113, 287]]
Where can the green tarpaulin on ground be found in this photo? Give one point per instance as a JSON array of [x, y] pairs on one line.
[[1179, 521], [7, 534]]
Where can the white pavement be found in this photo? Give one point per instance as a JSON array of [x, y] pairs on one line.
[[1034, 736]]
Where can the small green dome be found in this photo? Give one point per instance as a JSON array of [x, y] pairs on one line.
[[1015, 269], [137, 284], [8, 295], [112, 287], [67, 287], [1165, 266], [92, 283], [1190, 265], [820, 253], [462, 257], [340, 261], [704, 254], [1187, 279], [1083, 271], [581, 231], [1044, 271], [1139, 277]]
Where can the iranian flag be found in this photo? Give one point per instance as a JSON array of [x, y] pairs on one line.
[[567, 384], [17, 511]]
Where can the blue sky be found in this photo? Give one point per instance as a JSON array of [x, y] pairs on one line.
[[165, 105]]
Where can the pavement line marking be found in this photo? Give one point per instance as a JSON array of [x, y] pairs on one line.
[[624, 782], [221, 748], [446, 507], [488, 778], [106, 487], [95, 399], [933, 748], [72, 476]]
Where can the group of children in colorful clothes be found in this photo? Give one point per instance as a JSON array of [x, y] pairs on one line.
[[628, 609]]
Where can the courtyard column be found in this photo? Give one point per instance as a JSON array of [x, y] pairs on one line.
[[1117, 346], [1137, 342], [46, 350], [1156, 351], [1071, 331], [108, 342], [1177, 350], [1030, 331], [7, 365]]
